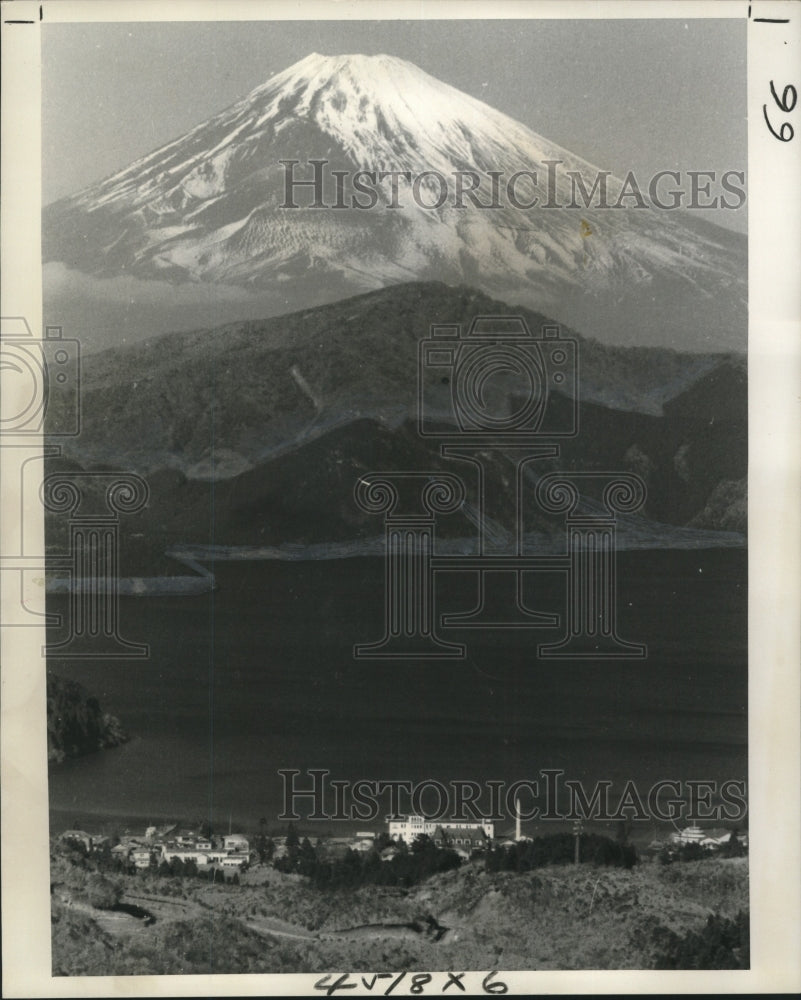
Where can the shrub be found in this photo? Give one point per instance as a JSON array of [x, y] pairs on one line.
[[102, 893], [722, 944], [559, 849], [355, 869]]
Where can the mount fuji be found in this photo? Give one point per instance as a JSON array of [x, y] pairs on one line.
[[205, 211]]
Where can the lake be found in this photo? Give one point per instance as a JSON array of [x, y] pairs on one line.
[[260, 676]]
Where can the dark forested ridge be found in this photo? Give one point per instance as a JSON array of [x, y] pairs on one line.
[[279, 418]]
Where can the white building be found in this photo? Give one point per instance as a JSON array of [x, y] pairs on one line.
[[409, 827], [363, 846], [236, 842], [689, 835], [170, 852], [180, 853]]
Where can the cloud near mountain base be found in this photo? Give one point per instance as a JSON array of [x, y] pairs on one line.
[[101, 312]]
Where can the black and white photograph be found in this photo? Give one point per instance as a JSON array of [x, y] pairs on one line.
[[386, 528]]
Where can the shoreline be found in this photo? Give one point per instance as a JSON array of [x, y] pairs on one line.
[[110, 821]]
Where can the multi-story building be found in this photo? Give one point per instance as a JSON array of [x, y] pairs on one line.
[[408, 827]]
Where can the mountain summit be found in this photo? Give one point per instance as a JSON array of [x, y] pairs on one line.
[[211, 206]]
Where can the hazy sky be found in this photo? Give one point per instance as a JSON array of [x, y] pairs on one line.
[[626, 95]]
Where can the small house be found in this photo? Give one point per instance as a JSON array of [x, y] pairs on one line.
[[363, 846], [236, 842], [460, 838]]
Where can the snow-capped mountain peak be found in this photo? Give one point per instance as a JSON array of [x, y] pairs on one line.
[[211, 206], [388, 113]]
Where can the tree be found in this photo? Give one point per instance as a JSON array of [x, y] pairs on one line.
[[292, 838], [307, 858], [722, 944], [421, 843], [103, 857], [383, 840], [733, 848], [102, 893], [691, 852], [623, 831]]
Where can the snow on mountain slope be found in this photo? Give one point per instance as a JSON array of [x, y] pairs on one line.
[[207, 207]]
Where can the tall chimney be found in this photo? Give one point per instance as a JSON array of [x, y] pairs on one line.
[[518, 833]]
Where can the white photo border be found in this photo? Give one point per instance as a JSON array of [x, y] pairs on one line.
[[774, 372]]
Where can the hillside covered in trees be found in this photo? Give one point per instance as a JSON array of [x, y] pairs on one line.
[[76, 724]]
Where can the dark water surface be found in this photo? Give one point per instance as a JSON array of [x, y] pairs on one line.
[[260, 675]]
